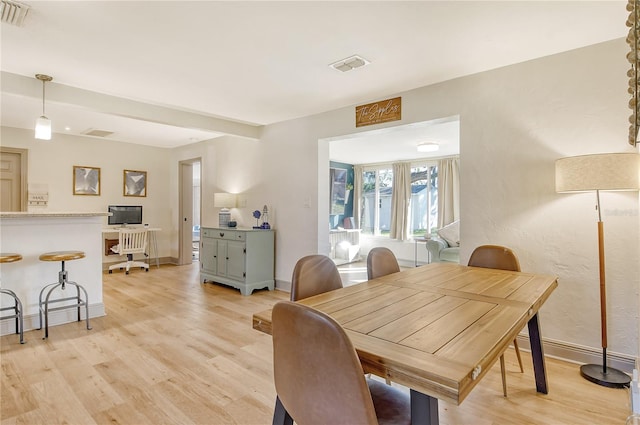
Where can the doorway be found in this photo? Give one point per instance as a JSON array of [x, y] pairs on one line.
[[190, 193], [13, 179], [377, 148]]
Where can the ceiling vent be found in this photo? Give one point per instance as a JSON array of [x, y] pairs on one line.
[[13, 12], [349, 63], [97, 133]]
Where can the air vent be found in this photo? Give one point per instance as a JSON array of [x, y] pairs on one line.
[[13, 12], [349, 63], [97, 133]]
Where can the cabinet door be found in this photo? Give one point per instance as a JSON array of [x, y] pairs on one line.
[[222, 258], [236, 260], [208, 255]]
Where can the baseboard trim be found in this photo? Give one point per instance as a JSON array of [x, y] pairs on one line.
[[579, 354], [282, 285], [60, 317]]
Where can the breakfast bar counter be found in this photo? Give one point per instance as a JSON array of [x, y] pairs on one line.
[[31, 234]]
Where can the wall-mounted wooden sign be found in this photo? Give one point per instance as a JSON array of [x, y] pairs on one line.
[[378, 112]]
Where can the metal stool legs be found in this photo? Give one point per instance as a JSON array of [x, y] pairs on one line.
[[62, 283], [17, 313]]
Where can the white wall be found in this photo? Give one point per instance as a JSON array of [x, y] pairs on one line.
[[515, 122], [51, 163]]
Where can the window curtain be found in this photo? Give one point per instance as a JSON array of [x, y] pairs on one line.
[[332, 177], [357, 194], [448, 191], [400, 198]]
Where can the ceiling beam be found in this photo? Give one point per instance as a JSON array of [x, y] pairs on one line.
[[21, 85]]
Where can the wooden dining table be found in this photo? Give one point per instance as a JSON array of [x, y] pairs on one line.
[[436, 329]]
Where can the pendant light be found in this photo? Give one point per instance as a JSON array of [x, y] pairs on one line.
[[43, 124]]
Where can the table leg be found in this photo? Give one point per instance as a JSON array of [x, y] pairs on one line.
[[280, 414], [424, 409], [539, 369]]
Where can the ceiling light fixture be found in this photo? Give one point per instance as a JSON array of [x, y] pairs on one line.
[[43, 124], [428, 147], [349, 63]]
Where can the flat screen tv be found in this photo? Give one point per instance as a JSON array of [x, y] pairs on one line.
[[125, 214]]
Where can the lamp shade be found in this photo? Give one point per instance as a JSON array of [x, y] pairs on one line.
[[609, 171], [224, 200], [43, 128]]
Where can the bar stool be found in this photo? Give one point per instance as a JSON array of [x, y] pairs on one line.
[[17, 307], [62, 283]]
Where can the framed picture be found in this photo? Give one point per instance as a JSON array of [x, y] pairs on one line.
[[86, 180], [135, 183]]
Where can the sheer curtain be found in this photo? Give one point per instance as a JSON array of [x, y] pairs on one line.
[[448, 191], [357, 194], [400, 198]]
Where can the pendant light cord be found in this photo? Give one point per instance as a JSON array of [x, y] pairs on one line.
[[44, 78], [43, 98]]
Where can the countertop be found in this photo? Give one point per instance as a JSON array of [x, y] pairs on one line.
[[27, 214]]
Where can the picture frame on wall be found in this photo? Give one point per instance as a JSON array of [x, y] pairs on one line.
[[86, 180], [135, 183]]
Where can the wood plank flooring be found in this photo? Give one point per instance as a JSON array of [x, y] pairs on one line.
[[174, 351]]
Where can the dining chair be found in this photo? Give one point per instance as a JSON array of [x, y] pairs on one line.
[[318, 375], [503, 258], [313, 275], [381, 262]]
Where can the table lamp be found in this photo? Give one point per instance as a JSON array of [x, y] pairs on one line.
[[586, 173], [224, 201]]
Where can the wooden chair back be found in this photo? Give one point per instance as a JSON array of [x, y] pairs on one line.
[[132, 241]]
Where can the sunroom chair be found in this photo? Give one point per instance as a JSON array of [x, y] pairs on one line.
[[498, 257], [318, 375], [131, 241], [313, 275]]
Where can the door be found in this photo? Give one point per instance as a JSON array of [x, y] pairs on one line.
[[185, 249], [222, 258], [236, 260], [209, 255], [13, 169]]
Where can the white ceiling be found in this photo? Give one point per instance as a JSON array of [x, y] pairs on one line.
[[263, 62], [398, 143]]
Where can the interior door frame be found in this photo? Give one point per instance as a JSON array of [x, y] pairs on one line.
[[183, 256], [24, 161]]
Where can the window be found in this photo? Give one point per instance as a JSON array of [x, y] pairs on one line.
[[423, 207], [377, 188]]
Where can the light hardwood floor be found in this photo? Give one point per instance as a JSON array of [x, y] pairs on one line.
[[173, 351]]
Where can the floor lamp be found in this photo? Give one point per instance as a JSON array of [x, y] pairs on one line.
[[611, 171]]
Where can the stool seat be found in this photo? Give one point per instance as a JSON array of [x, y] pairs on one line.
[[61, 256], [6, 257]]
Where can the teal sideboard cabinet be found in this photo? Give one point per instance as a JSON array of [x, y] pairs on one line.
[[241, 258]]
